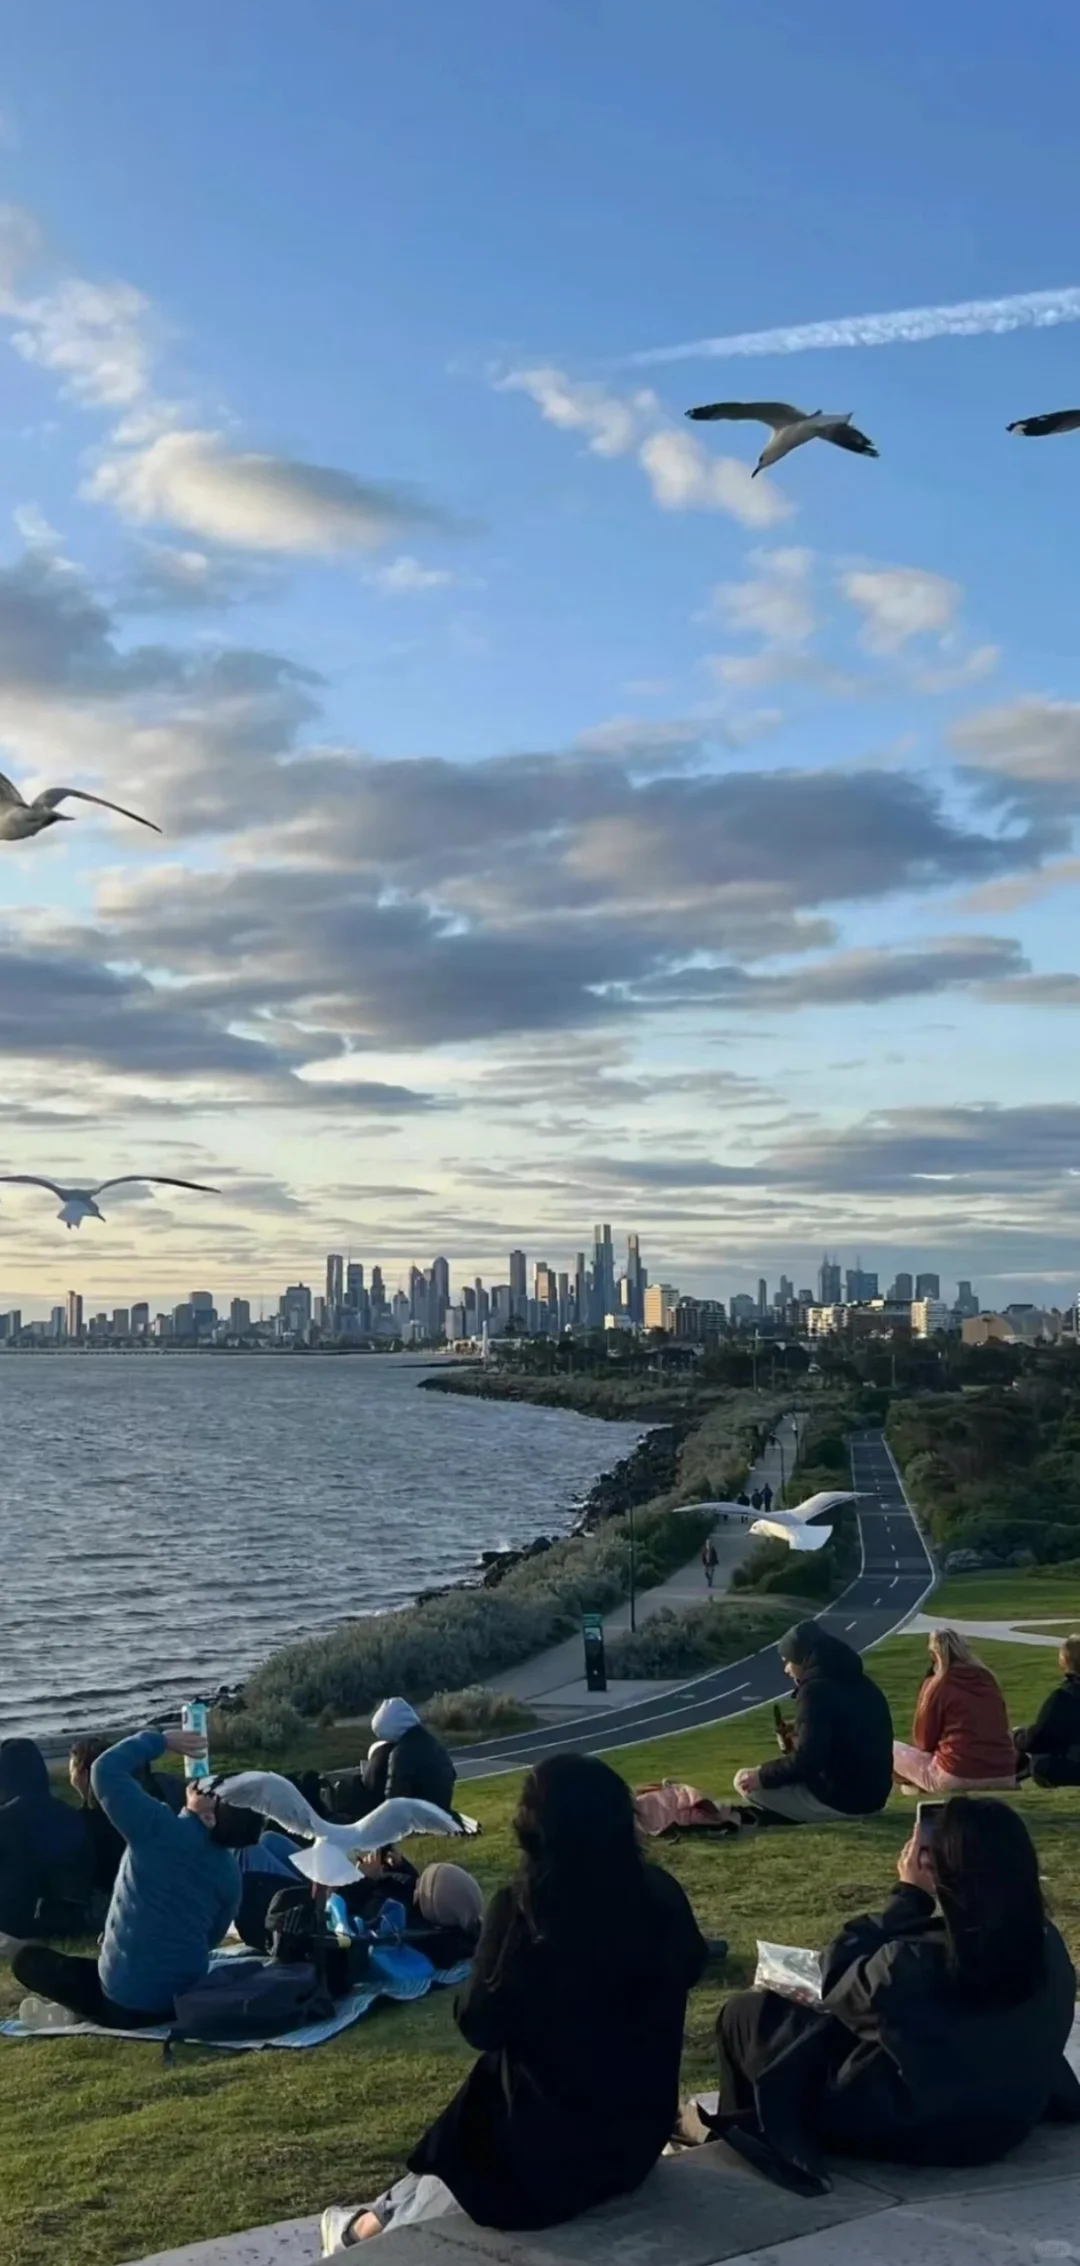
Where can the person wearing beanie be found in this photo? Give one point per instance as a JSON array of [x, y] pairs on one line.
[[447, 1915], [837, 1760]]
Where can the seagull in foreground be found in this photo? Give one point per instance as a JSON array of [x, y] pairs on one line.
[[20, 819], [331, 1860], [79, 1204], [1057, 421], [791, 427]]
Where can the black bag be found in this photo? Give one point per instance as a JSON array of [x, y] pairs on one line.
[[251, 1998]]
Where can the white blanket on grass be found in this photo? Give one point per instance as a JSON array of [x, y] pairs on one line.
[[347, 2011]]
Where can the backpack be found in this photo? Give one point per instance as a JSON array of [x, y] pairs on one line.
[[250, 1998]]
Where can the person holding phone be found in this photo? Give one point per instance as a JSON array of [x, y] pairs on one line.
[[940, 2037]]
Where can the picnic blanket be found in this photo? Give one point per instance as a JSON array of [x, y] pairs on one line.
[[394, 1973]]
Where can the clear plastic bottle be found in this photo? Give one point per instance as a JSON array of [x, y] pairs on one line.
[[43, 2014], [196, 1719]]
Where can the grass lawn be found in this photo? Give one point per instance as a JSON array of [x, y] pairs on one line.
[[106, 2153], [1008, 1596]]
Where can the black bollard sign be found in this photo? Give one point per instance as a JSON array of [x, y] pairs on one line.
[[592, 1629]]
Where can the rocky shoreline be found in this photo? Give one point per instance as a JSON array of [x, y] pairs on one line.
[[650, 1469]]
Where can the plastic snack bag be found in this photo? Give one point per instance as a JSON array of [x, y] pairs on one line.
[[791, 1971]]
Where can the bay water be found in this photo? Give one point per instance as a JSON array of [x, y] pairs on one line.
[[167, 1521]]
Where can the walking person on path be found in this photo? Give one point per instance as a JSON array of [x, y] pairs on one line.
[[710, 1559], [766, 1498]]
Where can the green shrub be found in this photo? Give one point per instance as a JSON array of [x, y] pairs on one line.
[[477, 1710], [255, 1731], [691, 1642]]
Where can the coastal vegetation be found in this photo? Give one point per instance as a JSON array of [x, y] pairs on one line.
[[994, 1470], [690, 1642], [823, 1462]]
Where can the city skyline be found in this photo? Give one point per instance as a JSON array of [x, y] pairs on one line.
[[588, 1290], [559, 824]]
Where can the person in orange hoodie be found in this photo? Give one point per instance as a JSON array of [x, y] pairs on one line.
[[961, 1739]]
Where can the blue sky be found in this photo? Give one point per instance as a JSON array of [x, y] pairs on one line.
[[557, 826]]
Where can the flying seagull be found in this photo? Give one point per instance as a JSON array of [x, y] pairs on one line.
[[791, 427], [20, 819], [331, 1859], [79, 1204], [1058, 421]]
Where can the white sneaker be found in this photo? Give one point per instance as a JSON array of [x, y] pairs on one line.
[[335, 2224], [43, 2014]]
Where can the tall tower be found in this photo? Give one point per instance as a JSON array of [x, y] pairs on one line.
[[519, 1289], [74, 1315], [335, 1284]]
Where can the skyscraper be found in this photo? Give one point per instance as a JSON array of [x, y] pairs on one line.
[[829, 1282], [438, 1295], [354, 1286], [74, 1315], [902, 1292], [519, 1289], [603, 1274], [635, 1280], [378, 1291], [860, 1284], [967, 1303], [762, 1297], [581, 1291], [335, 1285], [928, 1286]]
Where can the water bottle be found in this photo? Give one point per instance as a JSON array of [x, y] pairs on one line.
[[196, 1719]]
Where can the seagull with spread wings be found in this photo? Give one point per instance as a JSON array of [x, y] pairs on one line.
[[790, 427], [332, 1858], [79, 1204], [19, 820], [1055, 421]]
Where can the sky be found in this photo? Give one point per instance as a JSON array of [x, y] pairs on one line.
[[559, 825]]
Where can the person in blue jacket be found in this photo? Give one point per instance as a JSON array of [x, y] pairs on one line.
[[46, 1860], [177, 1892]]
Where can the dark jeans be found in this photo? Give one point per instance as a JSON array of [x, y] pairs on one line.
[[1056, 1770], [76, 1984], [746, 2029]]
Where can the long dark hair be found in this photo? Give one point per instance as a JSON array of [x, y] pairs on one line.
[[583, 1875], [987, 1876]]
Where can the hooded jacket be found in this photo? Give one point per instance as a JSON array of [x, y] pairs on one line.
[[46, 1861], [961, 1719], [843, 1750], [407, 1761]]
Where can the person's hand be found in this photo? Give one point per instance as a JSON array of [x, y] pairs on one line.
[[914, 1866], [186, 1743], [747, 1781], [369, 1862]]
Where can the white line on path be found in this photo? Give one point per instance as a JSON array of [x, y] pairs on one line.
[[895, 1579], [851, 1625]]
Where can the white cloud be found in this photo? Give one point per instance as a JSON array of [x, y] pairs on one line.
[[952, 677], [94, 334], [898, 603], [684, 477], [613, 423], [776, 604], [252, 500], [682, 474], [1033, 741], [405, 577]]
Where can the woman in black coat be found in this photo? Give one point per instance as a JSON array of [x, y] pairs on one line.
[[577, 2006], [942, 2028], [1050, 1747]]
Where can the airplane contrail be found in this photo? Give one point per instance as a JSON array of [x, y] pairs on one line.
[[905, 326]]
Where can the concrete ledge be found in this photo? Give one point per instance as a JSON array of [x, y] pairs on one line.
[[707, 2208]]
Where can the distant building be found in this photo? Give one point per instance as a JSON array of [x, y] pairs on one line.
[[903, 1290], [140, 1319], [603, 1273], [743, 1308], [58, 1323], [637, 1280], [928, 1286], [438, 1295], [121, 1322], [829, 1282], [519, 1287], [762, 1297], [74, 1316], [928, 1316], [295, 1310], [335, 1284], [454, 1324], [661, 1301], [860, 1285], [240, 1318], [966, 1302]]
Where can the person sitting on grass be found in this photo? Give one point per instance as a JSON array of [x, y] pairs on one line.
[[1049, 1752], [405, 1760], [46, 1860], [107, 1845], [961, 1739], [577, 2005], [176, 1894], [940, 2038], [837, 1759]]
